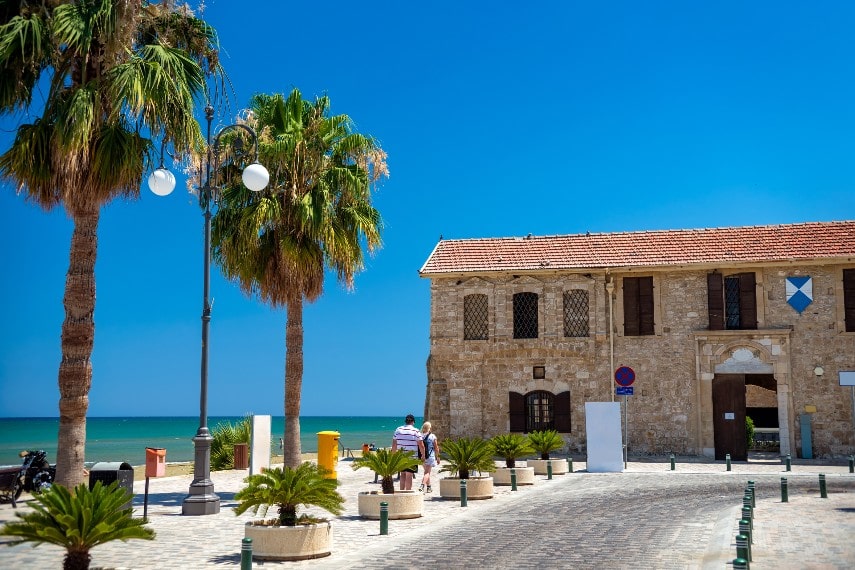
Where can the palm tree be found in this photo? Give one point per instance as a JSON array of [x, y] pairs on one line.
[[467, 454], [78, 521], [511, 446], [287, 489], [317, 214], [386, 464], [114, 70]]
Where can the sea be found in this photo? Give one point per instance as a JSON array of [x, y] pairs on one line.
[[119, 439]]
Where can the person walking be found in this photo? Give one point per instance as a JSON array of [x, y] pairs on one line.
[[431, 456], [408, 438]]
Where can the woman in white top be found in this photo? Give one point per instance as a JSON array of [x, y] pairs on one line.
[[431, 455]]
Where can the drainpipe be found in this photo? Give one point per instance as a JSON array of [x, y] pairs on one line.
[[610, 289]]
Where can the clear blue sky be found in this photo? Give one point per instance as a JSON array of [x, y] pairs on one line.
[[499, 119]]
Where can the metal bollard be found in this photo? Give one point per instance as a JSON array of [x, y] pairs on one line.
[[753, 496], [749, 516], [727, 460], [823, 492], [740, 564], [246, 554], [746, 500], [672, 462], [784, 496], [513, 479], [463, 501], [384, 518], [742, 547], [745, 528], [549, 469], [852, 464], [788, 462], [570, 464]]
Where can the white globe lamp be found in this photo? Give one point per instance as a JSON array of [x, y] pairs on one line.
[[161, 182], [255, 177]]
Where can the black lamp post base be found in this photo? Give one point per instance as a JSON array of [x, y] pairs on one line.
[[202, 500], [206, 504]]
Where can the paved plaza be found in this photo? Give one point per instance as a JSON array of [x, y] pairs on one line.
[[649, 516]]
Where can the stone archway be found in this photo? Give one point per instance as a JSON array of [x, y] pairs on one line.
[[742, 352]]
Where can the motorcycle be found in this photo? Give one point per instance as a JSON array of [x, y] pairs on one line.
[[35, 475]]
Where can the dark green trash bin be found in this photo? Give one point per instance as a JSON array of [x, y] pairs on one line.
[[109, 471]]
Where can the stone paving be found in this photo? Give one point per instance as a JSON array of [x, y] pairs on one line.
[[646, 517]]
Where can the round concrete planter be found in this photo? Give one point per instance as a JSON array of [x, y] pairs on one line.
[[559, 466], [476, 488], [402, 504], [300, 542], [525, 476]]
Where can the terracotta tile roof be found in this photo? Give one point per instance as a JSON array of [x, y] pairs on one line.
[[661, 248]]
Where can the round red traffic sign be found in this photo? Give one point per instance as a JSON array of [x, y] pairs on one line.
[[624, 376]]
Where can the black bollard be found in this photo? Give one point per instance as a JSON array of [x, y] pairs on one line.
[[384, 518], [513, 479], [727, 461], [742, 547], [463, 499], [788, 462], [740, 564], [549, 469], [672, 462], [852, 464], [749, 516], [753, 497], [570, 464], [745, 528], [823, 492], [246, 554], [784, 495]]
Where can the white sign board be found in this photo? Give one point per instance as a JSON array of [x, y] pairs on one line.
[[847, 377], [259, 457], [605, 442]]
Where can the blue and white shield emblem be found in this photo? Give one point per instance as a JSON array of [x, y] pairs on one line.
[[799, 292]]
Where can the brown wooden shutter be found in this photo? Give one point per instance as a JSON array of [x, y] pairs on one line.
[[715, 301], [747, 301], [645, 306], [562, 412], [516, 404], [849, 299], [631, 324]]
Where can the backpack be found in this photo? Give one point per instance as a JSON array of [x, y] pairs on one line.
[[428, 445]]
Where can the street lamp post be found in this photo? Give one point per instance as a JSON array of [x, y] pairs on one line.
[[202, 500]]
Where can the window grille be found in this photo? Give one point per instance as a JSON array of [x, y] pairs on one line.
[[525, 315], [731, 303], [539, 411], [475, 317], [576, 313]]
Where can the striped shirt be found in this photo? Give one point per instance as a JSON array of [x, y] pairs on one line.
[[407, 437]]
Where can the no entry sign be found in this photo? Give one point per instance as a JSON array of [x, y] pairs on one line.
[[624, 376]]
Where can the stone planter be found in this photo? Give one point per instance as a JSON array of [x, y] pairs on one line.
[[525, 476], [559, 466], [300, 542], [476, 488], [402, 504]]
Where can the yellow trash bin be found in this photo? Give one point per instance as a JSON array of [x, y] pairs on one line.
[[328, 452]]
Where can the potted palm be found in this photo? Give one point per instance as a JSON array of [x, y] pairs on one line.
[[289, 537], [544, 442], [78, 521], [462, 457], [512, 446], [385, 463]]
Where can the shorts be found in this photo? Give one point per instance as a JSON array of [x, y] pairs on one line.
[[431, 462], [413, 470]]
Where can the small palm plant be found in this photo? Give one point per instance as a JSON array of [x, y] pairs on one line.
[[510, 446], [226, 435], [78, 521], [288, 488], [464, 455], [543, 442], [386, 464]]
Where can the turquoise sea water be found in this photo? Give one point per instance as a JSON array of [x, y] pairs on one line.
[[125, 439]]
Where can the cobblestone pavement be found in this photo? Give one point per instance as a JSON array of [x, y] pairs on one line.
[[646, 517]]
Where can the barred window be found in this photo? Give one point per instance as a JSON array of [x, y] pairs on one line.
[[475, 317], [538, 411], [576, 313], [525, 315]]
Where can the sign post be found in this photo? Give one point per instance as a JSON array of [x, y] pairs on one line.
[[624, 377], [847, 378]]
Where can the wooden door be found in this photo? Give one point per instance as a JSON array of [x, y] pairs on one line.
[[728, 395]]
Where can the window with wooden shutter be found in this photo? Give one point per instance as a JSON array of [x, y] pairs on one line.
[[715, 301], [849, 299], [562, 412], [516, 405], [740, 301], [539, 411], [638, 306]]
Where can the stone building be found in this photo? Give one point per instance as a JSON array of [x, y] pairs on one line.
[[714, 323]]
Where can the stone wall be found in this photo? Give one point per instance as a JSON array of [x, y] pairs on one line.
[[671, 410]]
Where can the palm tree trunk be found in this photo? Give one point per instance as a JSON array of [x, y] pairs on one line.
[[293, 382], [78, 335]]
